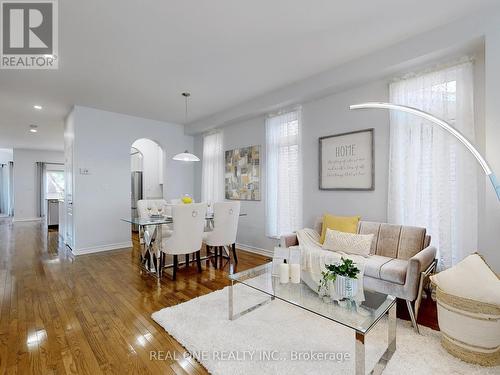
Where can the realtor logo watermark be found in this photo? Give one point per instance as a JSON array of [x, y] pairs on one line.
[[29, 34]]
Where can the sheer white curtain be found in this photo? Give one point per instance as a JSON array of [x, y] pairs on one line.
[[212, 180], [432, 178], [284, 174]]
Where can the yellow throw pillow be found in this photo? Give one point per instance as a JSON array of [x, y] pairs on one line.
[[348, 224]]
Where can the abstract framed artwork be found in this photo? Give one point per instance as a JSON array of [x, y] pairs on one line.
[[242, 174], [347, 161]]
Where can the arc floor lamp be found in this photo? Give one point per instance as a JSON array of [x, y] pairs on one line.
[[444, 125]]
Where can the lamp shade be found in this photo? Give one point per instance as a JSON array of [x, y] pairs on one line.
[[444, 125], [186, 156]]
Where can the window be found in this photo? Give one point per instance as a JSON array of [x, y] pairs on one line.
[[212, 185], [432, 178], [284, 174], [54, 184]]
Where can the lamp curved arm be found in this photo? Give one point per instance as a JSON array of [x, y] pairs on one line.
[[444, 125]]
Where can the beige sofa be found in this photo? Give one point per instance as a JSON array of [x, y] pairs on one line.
[[401, 257]]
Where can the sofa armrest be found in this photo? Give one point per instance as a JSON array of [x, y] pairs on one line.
[[424, 258], [288, 240], [416, 264]]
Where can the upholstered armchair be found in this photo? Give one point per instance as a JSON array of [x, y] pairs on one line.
[[400, 259]]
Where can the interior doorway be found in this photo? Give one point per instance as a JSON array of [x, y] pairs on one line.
[[136, 181], [146, 164]]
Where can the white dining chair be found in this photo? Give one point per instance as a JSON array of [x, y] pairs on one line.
[[145, 207], [171, 203], [225, 227], [148, 234], [187, 233]]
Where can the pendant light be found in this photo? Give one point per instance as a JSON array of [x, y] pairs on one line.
[[186, 156]]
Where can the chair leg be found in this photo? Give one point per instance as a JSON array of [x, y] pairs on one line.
[[161, 260], [233, 247], [187, 260], [198, 260], [176, 263], [412, 316], [216, 250]]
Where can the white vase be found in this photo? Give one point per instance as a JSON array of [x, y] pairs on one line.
[[345, 287]]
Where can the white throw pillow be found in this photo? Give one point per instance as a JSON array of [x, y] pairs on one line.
[[359, 244]]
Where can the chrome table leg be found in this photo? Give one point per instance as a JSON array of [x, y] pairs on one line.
[[391, 346], [231, 296], [360, 353]]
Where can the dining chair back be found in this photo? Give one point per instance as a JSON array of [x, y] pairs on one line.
[[187, 234], [226, 217], [153, 204], [225, 228]]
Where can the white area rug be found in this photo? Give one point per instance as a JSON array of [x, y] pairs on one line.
[[270, 339]]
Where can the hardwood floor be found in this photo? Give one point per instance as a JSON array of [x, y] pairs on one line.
[[91, 314]]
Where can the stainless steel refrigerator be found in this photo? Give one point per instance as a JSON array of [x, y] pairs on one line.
[[136, 195]]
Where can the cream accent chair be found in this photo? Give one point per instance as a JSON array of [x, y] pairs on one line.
[[400, 259], [187, 234], [223, 234]]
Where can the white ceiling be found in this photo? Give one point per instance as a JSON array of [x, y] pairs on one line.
[[137, 57]]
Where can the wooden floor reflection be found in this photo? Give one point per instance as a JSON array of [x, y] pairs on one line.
[[90, 314]]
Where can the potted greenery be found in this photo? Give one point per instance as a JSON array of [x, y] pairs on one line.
[[343, 275]]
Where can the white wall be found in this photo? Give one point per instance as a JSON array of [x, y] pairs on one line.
[[329, 116], [6, 155], [152, 179], [489, 243], [319, 118], [25, 197], [102, 142]]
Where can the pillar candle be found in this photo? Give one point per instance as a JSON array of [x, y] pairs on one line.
[[284, 273], [295, 273]]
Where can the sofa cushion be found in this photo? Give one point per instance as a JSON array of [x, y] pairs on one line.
[[373, 265], [349, 243], [347, 224], [394, 271], [387, 269], [395, 241]]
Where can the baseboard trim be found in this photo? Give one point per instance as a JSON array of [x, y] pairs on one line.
[[14, 220], [256, 250], [99, 249]]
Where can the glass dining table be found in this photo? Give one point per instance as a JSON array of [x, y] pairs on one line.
[[151, 229]]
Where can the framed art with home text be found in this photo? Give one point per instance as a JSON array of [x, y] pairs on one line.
[[347, 161]]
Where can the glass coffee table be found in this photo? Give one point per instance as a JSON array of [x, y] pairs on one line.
[[361, 318]]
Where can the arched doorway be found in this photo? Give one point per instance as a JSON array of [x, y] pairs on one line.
[[147, 171]]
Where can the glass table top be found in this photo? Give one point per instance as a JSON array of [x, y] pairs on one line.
[[166, 219], [360, 317], [149, 220]]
